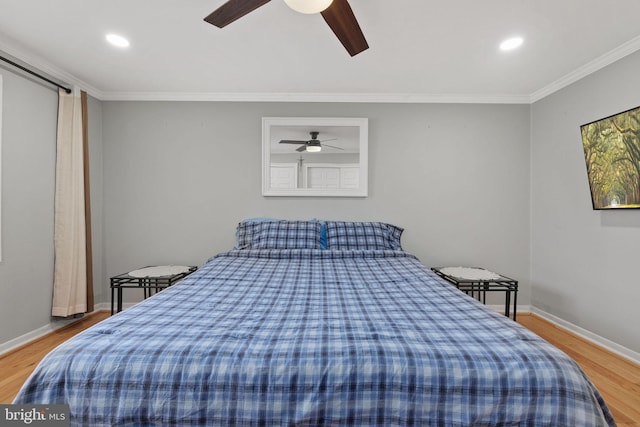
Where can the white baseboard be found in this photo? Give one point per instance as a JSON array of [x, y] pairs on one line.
[[500, 308], [613, 347], [53, 325], [33, 335], [577, 330]]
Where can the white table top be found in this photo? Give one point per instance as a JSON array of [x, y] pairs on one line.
[[470, 273], [159, 271]]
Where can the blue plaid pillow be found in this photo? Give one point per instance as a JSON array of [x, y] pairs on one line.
[[288, 235], [343, 235], [247, 231]]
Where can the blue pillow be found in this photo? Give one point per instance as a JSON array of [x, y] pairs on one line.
[[246, 231], [342, 235], [288, 235]]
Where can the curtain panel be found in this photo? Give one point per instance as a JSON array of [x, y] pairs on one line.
[[71, 282]]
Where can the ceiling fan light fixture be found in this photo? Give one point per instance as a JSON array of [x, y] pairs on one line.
[[314, 148], [308, 6]]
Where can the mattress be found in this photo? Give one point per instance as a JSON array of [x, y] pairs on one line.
[[308, 337]]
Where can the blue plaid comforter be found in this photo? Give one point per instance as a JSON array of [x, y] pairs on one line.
[[314, 338]]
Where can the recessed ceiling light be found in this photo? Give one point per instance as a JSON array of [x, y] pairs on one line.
[[117, 40], [512, 43]]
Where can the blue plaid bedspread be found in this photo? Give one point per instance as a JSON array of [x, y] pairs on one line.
[[314, 338]]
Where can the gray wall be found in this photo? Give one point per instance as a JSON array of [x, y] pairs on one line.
[[180, 175], [28, 171], [28, 176], [584, 262]]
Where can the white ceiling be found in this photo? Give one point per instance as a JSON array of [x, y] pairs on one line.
[[420, 50]]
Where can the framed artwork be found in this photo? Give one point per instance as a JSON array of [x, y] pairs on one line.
[[612, 155]]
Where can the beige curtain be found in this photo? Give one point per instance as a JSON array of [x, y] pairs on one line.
[[71, 282]]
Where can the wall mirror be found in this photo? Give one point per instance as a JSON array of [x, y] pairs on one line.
[[304, 156]]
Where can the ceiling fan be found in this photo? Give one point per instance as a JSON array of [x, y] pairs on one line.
[[312, 145], [338, 16]]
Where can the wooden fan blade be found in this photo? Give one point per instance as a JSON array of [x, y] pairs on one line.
[[301, 148], [343, 22], [232, 10], [288, 141], [332, 146]]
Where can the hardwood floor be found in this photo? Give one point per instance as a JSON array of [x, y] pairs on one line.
[[617, 379], [17, 365]]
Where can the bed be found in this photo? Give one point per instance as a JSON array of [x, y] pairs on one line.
[[312, 323]]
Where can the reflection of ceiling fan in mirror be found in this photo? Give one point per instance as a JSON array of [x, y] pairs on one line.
[[313, 145]]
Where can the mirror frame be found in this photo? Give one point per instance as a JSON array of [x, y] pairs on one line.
[[270, 122]]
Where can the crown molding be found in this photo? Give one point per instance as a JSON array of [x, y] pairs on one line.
[[397, 98], [599, 63]]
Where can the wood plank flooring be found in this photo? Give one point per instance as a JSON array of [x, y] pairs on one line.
[[617, 379], [17, 365]]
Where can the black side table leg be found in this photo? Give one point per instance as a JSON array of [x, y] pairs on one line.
[[507, 302], [485, 286]]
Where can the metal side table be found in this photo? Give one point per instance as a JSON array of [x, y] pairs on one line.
[[477, 282], [149, 279]]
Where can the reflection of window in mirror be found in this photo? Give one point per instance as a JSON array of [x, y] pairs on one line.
[[284, 175], [315, 156]]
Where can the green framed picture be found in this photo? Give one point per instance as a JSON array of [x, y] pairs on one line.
[[612, 155]]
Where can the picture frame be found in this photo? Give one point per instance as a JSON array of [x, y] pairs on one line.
[[315, 156], [612, 156]]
